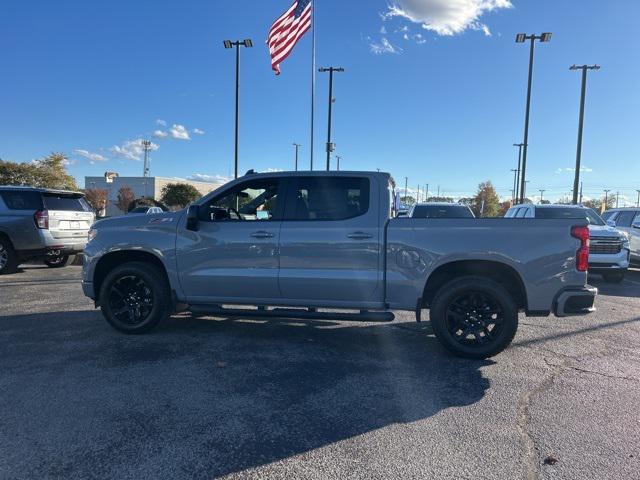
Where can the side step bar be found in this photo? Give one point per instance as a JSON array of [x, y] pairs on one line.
[[308, 314]]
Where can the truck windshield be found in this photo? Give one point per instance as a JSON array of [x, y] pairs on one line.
[[442, 211], [68, 203]]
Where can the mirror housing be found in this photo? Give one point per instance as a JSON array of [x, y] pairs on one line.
[[636, 224], [611, 223], [193, 217]]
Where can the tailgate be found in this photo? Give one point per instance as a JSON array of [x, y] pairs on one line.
[[64, 224]]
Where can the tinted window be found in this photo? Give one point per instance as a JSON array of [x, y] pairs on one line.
[[608, 214], [593, 217], [69, 203], [22, 200], [442, 211], [625, 218], [560, 213], [252, 200], [139, 210], [326, 198], [510, 213], [521, 213]]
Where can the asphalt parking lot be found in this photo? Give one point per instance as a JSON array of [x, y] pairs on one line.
[[207, 398]]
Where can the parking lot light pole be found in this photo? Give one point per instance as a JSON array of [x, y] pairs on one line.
[[517, 189], [521, 38], [297, 145], [606, 199], [541, 194], [576, 179], [515, 179], [229, 44], [638, 201], [329, 144], [338, 157]]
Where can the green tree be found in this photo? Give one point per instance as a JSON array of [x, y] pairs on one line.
[[48, 172], [487, 202], [408, 200], [179, 194]]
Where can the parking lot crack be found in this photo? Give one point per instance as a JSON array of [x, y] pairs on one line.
[[523, 420]]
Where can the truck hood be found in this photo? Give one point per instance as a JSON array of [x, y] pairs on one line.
[[604, 231], [137, 221]]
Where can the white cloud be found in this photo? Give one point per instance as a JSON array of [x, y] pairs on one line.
[[382, 47], [160, 134], [197, 131], [179, 132], [446, 17], [383, 30], [202, 177], [132, 149], [572, 170], [161, 122], [94, 157]]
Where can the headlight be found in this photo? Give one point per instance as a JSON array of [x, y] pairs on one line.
[[92, 234]]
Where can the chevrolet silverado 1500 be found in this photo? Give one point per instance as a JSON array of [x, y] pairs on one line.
[[287, 244]]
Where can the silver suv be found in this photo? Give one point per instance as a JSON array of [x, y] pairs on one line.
[[627, 220], [38, 223]]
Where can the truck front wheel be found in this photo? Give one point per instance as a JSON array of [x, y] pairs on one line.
[[134, 297], [474, 317]]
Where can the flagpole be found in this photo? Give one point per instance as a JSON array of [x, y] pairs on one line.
[[313, 71]]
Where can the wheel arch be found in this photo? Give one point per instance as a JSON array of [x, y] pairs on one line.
[[114, 259], [504, 274]]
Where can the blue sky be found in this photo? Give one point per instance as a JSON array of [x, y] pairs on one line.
[[442, 106]]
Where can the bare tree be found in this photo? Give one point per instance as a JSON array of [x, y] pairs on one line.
[[125, 197], [97, 198]]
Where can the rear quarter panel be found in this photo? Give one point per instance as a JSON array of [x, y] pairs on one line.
[[542, 252]]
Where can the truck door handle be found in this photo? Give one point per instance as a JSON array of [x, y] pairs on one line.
[[262, 234], [359, 236]]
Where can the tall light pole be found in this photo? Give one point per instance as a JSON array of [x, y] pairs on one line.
[[330, 146], [338, 157], [406, 188], [521, 38], [426, 193], [606, 199], [541, 194], [146, 146], [617, 198], [229, 44], [576, 178], [515, 180], [517, 189], [638, 201], [297, 145]]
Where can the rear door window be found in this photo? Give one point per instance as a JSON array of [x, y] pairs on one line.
[[329, 198], [65, 203], [548, 213], [625, 218], [22, 200]]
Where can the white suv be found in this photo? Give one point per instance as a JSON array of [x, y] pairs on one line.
[[627, 220], [609, 250]]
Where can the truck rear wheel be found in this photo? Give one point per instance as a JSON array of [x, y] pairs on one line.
[[134, 297], [474, 317]]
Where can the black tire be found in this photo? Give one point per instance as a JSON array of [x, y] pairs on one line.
[[615, 277], [149, 305], [479, 306], [8, 257], [57, 262]]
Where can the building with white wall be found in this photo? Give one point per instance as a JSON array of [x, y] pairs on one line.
[[141, 186]]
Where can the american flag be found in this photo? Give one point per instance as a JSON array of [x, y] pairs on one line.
[[287, 30]]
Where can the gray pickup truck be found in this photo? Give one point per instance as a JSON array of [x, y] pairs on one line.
[[287, 244]]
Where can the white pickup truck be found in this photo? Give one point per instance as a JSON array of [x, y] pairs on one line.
[[287, 244]]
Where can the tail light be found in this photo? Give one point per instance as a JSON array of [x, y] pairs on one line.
[[41, 218], [582, 255]]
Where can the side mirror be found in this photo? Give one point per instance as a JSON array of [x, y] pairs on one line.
[[636, 224], [611, 223], [193, 217]]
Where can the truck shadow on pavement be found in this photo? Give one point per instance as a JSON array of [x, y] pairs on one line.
[[202, 398]]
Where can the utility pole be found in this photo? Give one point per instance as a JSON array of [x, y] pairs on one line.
[[426, 195], [515, 180], [576, 179], [517, 189], [617, 198], [418, 194], [521, 38], [338, 157], [297, 145], [330, 146], [606, 199], [229, 44], [406, 188], [638, 202], [580, 193], [438, 191], [541, 194]]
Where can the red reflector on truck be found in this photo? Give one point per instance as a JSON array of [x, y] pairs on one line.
[[582, 255]]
